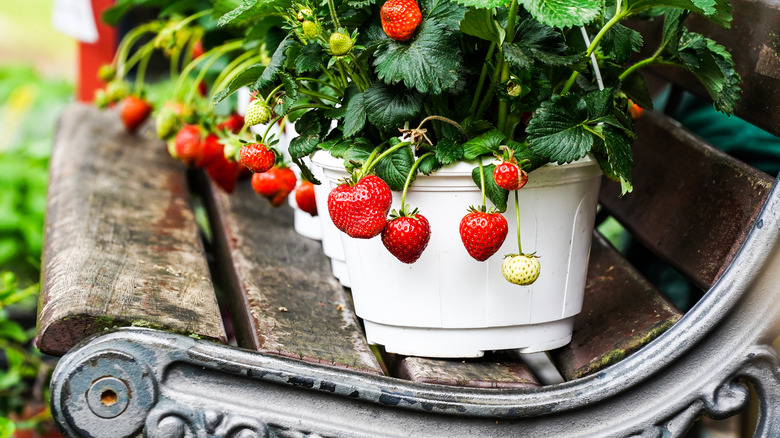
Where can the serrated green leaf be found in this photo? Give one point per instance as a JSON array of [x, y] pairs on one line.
[[355, 116], [558, 130], [486, 143], [429, 164], [395, 168], [341, 112], [563, 13], [357, 155], [388, 107], [620, 42], [516, 56], [543, 43], [275, 65], [448, 151], [717, 11], [599, 103], [481, 24], [496, 194], [615, 157], [481, 4], [245, 78], [306, 173], [443, 12], [522, 152], [309, 127], [310, 59], [249, 10], [712, 65], [290, 92], [430, 63]]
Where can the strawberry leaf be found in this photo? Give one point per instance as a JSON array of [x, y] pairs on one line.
[[448, 151], [251, 9], [481, 4], [486, 143], [636, 89], [275, 65], [243, 79], [614, 157], [394, 168], [309, 128], [443, 12], [558, 130], [355, 116], [496, 194], [535, 41], [429, 164], [310, 59], [430, 63], [717, 11], [388, 107], [481, 24], [290, 93], [524, 152], [563, 13], [357, 155], [620, 41]]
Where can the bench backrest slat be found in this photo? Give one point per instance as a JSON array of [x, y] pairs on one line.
[[692, 204]]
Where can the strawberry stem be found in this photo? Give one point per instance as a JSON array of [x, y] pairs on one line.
[[503, 105], [371, 162], [482, 181], [408, 182], [333, 14], [517, 215], [482, 77]]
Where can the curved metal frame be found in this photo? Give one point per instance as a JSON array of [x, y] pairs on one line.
[[177, 386]]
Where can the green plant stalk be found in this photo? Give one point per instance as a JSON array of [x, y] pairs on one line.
[[317, 95], [139, 77], [409, 178], [355, 78], [321, 82], [333, 16], [343, 75], [216, 51], [482, 77], [652, 59], [270, 95], [370, 164], [268, 129], [201, 75], [232, 70], [619, 16], [482, 180], [192, 18], [333, 79], [365, 76], [127, 42], [517, 215], [503, 106]]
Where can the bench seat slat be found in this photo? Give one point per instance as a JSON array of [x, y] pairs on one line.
[[492, 371], [714, 198], [286, 300], [122, 245]]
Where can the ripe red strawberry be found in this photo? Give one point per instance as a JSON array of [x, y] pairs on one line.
[[304, 197], [510, 176], [232, 124], [197, 49], [224, 173], [483, 233], [134, 111], [188, 144], [275, 184], [406, 237], [360, 210], [257, 157], [400, 18], [210, 151]]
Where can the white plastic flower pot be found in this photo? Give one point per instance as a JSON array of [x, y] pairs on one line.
[[449, 305], [330, 235]]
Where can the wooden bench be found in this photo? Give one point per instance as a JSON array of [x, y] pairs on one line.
[[144, 305]]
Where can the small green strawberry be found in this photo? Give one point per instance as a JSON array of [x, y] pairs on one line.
[[305, 14], [513, 88], [106, 72], [310, 29], [257, 113], [117, 90], [166, 123], [522, 269], [340, 43]]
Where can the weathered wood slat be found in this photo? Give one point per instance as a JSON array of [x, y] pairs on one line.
[[621, 313], [494, 371], [692, 204], [285, 300], [122, 246], [754, 44]]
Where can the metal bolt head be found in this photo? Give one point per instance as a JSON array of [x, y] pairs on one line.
[[108, 397]]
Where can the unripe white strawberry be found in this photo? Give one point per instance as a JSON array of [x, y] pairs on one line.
[[521, 269], [257, 113]]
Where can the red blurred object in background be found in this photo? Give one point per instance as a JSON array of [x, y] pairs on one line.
[[93, 55]]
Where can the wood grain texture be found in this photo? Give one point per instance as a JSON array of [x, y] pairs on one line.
[[621, 313], [493, 371], [692, 205], [284, 299], [121, 243], [754, 43]]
